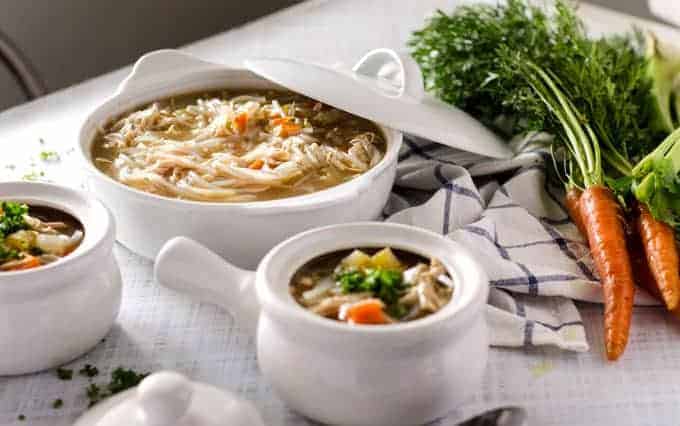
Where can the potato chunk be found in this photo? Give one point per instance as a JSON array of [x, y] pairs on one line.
[[357, 260], [386, 259]]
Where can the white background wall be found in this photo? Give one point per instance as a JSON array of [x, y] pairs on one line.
[[71, 40]]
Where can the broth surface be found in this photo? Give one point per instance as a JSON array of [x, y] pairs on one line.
[[237, 146], [372, 286], [33, 236]]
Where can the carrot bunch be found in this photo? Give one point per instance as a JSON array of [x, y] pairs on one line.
[[642, 226]]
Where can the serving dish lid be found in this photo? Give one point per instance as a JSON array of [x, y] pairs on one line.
[[167, 398], [387, 87]]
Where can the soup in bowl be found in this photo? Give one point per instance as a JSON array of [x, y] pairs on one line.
[[237, 146], [33, 236], [371, 286], [229, 159], [415, 358]]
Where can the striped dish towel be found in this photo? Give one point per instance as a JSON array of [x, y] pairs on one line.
[[536, 260]]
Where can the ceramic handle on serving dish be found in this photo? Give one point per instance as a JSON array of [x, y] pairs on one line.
[[189, 267], [157, 65], [383, 63]]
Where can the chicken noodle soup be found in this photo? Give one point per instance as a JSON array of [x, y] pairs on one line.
[[32, 236], [237, 146], [371, 286]]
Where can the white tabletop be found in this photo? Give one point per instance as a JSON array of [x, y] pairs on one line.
[[159, 329]]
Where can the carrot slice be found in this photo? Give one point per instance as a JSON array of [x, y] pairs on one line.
[[257, 164], [241, 122], [369, 311], [661, 252], [28, 262], [572, 200], [281, 120], [606, 236], [289, 129]]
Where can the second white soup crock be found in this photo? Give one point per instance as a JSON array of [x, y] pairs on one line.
[[241, 232], [54, 313], [397, 374]]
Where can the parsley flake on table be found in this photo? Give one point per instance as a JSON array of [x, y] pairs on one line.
[[88, 371], [58, 403], [49, 156], [64, 373], [121, 379]]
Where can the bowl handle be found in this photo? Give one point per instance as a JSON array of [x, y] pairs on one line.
[[189, 267], [160, 63]]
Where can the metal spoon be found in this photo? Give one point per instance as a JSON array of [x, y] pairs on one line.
[[504, 416]]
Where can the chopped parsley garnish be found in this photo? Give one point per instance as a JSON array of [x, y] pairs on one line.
[[64, 373], [33, 176], [93, 392], [121, 379], [12, 218], [386, 284], [88, 371], [58, 403], [49, 156]]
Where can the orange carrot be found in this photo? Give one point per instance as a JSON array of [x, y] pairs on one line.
[[572, 200], [289, 129], [28, 262], [643, 275], [257, 164], [658, 241], [241, 122], [369, 311], [638, 262], [281, 120], [607, 240]]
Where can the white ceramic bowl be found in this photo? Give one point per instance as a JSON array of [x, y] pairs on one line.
[[241, 232], [398, 374], [55, 313]]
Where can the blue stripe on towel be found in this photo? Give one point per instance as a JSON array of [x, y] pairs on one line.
[[504, 206], [507, 282], [530, 280], [561, 242], [421, 151], [560, 326], [519, 308], [453, 187], [528, 332], [486, 235]]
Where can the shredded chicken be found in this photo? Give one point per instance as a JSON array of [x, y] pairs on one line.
[[236, 149], [330, 307], [425, 296]]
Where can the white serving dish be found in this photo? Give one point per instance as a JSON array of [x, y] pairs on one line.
[[403, 374], [240, 232], [167, 398], [52, 314]]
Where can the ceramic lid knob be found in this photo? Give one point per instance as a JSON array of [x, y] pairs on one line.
[[163, 399]]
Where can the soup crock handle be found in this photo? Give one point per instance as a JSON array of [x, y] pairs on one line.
[[189, 267]]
